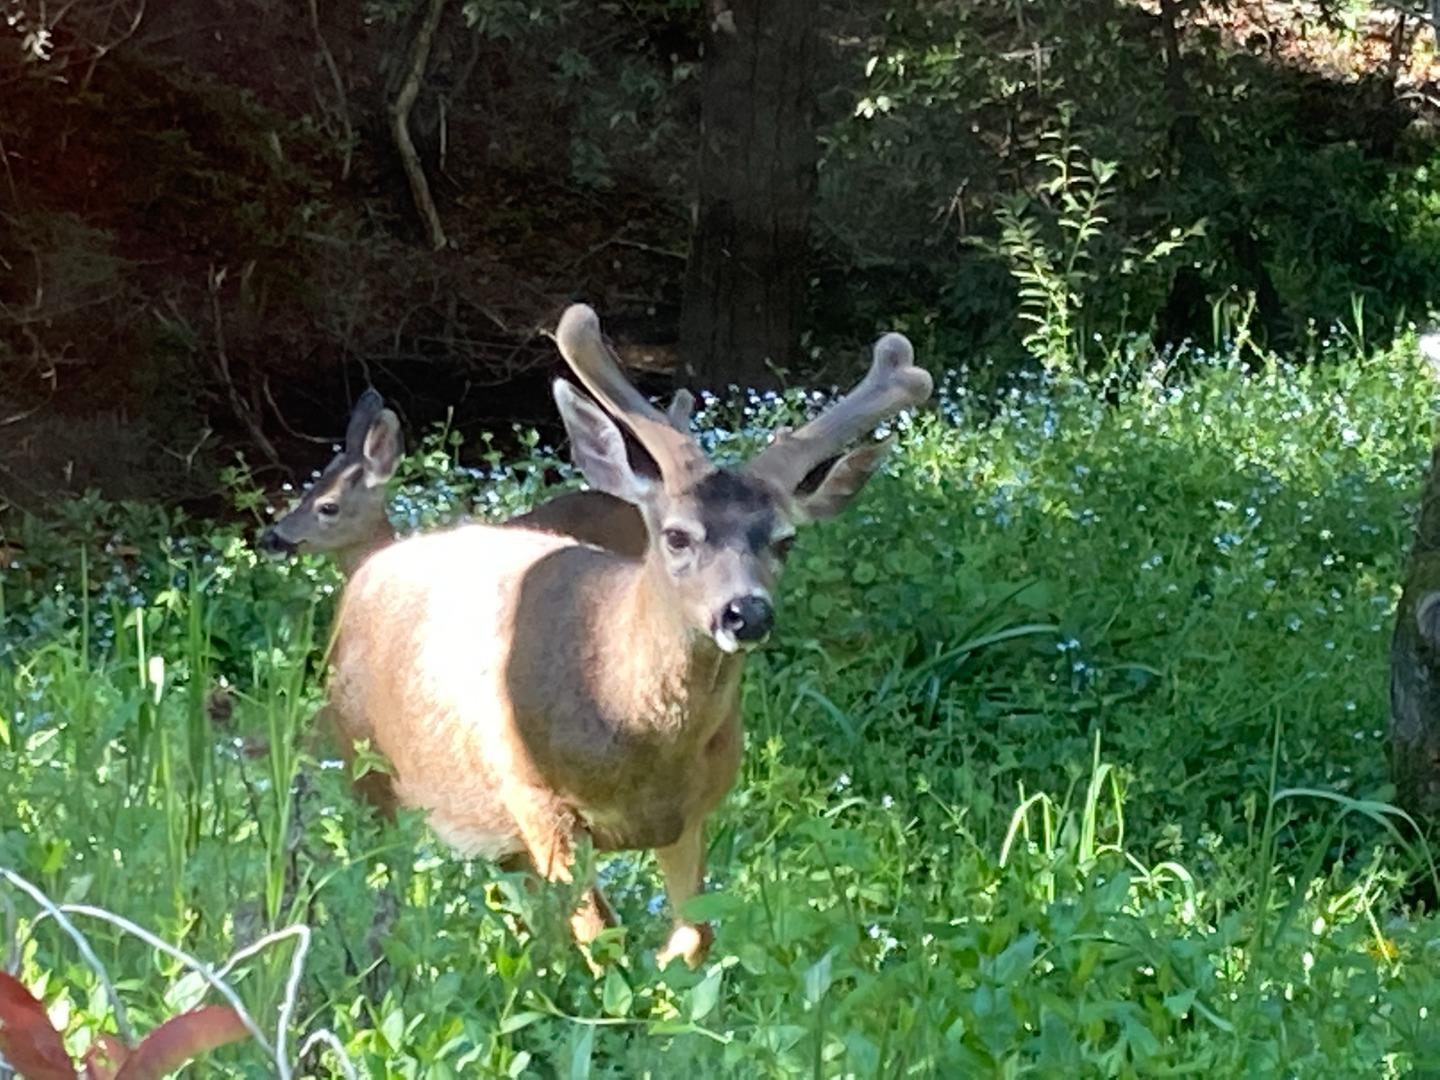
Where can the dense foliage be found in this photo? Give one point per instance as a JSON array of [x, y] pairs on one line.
[[212, 229], [1067, 759]]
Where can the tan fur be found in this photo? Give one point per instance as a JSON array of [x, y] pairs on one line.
[[355, 484], [530, 689], [548, 738]]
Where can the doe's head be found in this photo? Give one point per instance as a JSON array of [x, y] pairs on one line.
[[720, 536], [345, 507]]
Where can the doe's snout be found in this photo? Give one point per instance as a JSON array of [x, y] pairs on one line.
[[272, 543], [749, 618]]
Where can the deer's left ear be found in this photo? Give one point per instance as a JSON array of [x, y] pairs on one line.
[[844, 481]]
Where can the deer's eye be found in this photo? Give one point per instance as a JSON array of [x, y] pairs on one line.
[[328, 509], [782, 547], [678, 541]]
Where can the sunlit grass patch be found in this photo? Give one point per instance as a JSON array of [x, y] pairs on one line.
[[1068, 758]]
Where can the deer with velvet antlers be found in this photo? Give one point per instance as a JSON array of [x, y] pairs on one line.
[[530, 690]]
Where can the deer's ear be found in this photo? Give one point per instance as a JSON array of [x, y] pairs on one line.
[[682, 408], [597, 447], [845, 480], [381, 450], [366, 409]]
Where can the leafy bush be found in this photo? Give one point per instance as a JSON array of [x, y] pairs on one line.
[[1310, 191], [1067, 759]]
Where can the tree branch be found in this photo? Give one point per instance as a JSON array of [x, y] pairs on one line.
[[342, 102], [243, 412], [400, 123]]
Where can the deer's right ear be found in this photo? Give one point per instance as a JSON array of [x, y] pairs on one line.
[[681, 410], [381, 449], [843, 481], [597, 447]]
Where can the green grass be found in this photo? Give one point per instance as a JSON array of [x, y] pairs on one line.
[[1068, 761]]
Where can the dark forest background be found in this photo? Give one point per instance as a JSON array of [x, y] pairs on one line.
[[220, 220]]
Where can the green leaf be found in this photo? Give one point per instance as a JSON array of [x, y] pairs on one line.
[[392, 1029], [1015, 961], [819, 977], [706, 994], [713, 906], [582, 1049], [186, 992], [1178, 1005], [617, 997], [515, 1021]]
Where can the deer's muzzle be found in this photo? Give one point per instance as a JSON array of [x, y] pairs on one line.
[[747, 620], [273, 544]]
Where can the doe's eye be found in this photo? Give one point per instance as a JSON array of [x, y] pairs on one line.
[[782, 547], [329, 509], [678, 540]]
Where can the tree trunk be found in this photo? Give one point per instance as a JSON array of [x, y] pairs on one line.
[[745, 280], [1415, 666]]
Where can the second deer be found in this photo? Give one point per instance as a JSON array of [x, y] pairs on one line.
[[530, 691], [343, 514]]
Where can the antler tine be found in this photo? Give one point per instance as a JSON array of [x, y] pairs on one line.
[[893, 383], [578, 336]]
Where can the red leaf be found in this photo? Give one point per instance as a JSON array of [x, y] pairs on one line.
[[105, 1058], [29, 1043], [181, 1038]]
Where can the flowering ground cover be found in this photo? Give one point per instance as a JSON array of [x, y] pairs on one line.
[[1068, 760]]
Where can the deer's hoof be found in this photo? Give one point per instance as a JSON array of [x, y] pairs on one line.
[[690, 942]]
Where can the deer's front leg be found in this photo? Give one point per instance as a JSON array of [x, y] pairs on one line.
[[548, 830], [521, 863], [683, 865]]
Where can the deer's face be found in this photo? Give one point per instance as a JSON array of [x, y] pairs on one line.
[[719, 536], [723, 542], [345, 507], [339, 511]]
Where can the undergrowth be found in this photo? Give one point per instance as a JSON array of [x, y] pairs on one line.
[[1068, 760]]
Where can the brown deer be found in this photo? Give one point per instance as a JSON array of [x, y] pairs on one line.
[[530, 691], [343, 513]]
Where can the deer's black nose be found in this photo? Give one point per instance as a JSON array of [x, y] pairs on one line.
[[750, 618], [272, 543]]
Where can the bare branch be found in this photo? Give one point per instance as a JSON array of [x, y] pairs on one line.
[[342, 103], [242, 411], [400, 124]]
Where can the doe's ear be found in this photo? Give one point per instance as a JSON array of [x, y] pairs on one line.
[[381, 449], [844, 481], [682, 408], [366, 409], [597, 447]]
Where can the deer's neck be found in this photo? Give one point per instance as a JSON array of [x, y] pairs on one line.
[[675, 679], [349, 559]]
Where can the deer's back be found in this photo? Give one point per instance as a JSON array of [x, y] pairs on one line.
[[594, 517], [420, 662]]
